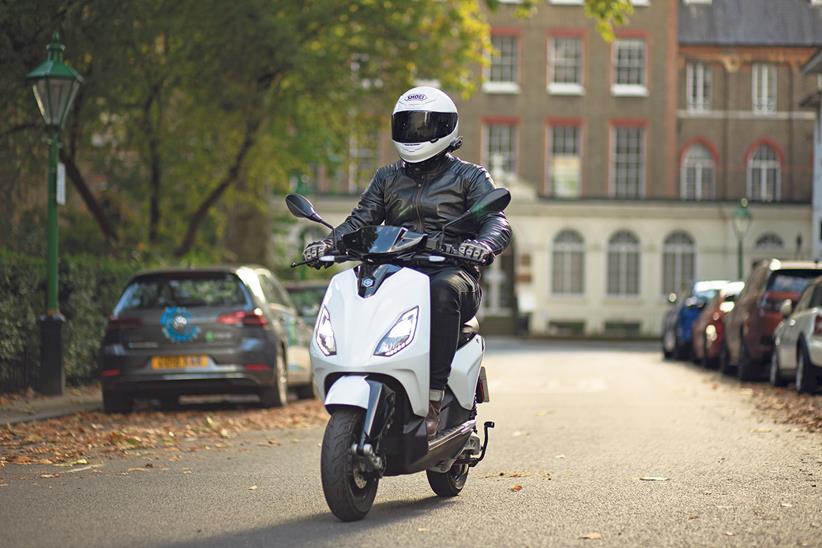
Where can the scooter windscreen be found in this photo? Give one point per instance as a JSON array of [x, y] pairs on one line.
[[382, 240]]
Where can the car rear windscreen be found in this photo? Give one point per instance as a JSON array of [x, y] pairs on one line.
[[791, 281], [185, 289]]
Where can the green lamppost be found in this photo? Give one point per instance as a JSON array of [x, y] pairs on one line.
[[55, 86], [742, 222]]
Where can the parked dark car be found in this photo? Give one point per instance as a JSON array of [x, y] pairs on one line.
[[708, 329], [307, 297], [749, 328], [218, 330], [676, 326]]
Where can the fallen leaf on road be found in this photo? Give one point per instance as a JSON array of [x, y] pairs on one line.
[[49, 475], [519, 433], [252, 488], [516, 488], [761, 430], [137, 469], [591, 536], [559, 457], [423, 529], [694, 516], [814, 525], [786, 505], [72, 463], [729, 533], [653, 478]]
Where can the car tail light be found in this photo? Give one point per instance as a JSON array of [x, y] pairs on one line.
[[109, 372], [257, 367], [243, 317], [817, 325], [115, 323]]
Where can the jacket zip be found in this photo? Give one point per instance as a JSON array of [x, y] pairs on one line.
[[417, 198]]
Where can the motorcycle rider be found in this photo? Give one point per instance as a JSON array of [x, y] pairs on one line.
[[426, 189]]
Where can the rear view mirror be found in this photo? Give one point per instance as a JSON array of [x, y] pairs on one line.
[[493, 202], [672, 298], [786, 308], [299, 206]]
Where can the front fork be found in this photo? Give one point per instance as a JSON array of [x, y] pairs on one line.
[[376, 422]]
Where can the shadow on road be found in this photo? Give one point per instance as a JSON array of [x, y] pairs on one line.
[[316, 528]]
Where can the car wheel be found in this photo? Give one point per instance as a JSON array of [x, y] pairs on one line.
[[775, 375], [170, 403], [276, 395], [805, 372], [668, 344], [745, 368], [680, 351], [725, 366], [306, 392], [706, 361], [117, 402]]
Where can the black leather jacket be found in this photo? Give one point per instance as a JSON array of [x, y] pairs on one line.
[[424, 198]]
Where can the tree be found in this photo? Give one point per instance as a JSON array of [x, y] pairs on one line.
[[187, 100]]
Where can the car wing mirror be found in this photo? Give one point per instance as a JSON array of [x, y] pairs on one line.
[[672, 298], [786, 308]]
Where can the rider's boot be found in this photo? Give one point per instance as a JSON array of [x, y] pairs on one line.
[[432, 421]]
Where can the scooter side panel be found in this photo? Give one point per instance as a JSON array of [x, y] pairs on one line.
[[359, 325], [465, 371]]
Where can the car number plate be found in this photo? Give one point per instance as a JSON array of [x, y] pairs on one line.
[[178, 362]]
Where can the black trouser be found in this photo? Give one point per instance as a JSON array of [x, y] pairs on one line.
[[455, 299]]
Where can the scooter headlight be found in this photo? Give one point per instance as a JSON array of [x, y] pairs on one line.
[[400, 335], [325, 334]]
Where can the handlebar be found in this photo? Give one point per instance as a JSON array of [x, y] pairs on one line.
[[432, 257]]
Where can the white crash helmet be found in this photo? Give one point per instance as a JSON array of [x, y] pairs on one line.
[[424, 123]]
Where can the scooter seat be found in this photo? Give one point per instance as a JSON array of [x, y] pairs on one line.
[[469, 329]]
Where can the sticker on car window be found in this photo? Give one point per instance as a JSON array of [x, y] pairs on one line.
[[177, 326]]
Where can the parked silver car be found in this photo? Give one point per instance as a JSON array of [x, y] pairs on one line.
[[798, 341], [216, 330]]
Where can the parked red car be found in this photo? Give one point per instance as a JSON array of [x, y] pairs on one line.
[[749, 327], [708, 328]]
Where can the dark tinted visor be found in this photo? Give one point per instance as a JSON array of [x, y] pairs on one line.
[[413, 126]]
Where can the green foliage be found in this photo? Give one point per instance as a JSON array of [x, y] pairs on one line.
[[89, 288], [607, 14]]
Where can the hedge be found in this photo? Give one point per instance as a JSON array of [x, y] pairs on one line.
[[89, 288]]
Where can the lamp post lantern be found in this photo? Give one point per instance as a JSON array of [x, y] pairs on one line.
[[741, 223], [55, 86]]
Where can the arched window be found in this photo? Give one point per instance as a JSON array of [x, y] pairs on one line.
[[678, 262], [568, 264], [764, 175], [623, 264], [769, 242], [696, 178]]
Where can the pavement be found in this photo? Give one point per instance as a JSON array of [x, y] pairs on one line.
[[596, 444], [31, 407]]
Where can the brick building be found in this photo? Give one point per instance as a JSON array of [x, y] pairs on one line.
[[627, 159]]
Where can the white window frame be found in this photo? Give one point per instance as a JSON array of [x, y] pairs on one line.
[[549, 157], [764, 86], [760, 179], [503, 86], [698, 86], [487, 159], [564, 256], [700, 164], [623, 252], [679, 251], [613, 163], [619, 89], [565, 88]]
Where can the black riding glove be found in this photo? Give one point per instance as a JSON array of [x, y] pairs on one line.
[[313, 252], [478, 251]]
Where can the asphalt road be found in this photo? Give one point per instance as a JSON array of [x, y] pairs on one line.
[[578, 426]]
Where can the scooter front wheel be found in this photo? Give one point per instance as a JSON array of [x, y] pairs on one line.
[[348, 490], [448, 484]]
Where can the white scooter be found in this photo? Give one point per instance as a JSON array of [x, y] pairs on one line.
[[370, 354]]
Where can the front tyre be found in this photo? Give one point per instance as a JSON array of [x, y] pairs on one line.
[[348, 492], [448, 484]]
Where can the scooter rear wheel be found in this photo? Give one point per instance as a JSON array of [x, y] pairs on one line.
[[348, 492], [448, 484]]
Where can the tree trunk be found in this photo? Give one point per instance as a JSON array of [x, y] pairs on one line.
[[229, 179]]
